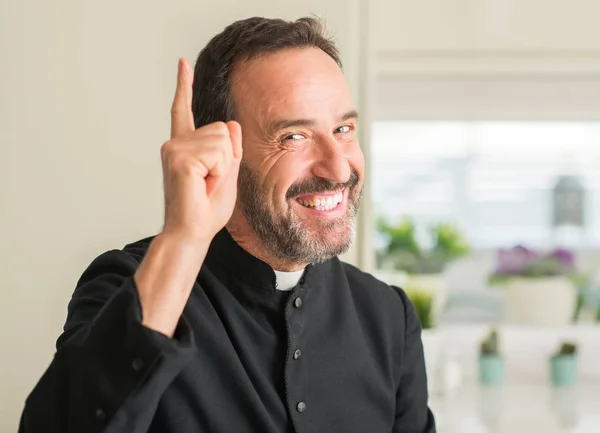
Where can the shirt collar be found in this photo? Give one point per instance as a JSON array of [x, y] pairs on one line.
[[226, 256], [286, 281]]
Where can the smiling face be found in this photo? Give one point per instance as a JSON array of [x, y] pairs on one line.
[[301, 177]]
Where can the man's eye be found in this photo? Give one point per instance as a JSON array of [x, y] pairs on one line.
[[294, 137], [343, 129]]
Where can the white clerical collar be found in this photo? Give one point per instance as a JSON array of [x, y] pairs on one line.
[[286, 281]]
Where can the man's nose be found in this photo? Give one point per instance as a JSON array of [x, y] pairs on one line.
[[333, 163]]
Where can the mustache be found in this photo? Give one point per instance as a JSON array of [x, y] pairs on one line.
[[318, 185]]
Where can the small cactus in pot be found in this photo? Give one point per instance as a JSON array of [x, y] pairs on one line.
[[491, 361], [563, 365]]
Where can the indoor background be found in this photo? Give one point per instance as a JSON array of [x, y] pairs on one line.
[[480, 120]]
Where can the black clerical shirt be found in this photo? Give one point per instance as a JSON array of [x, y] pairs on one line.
[[340, 353]]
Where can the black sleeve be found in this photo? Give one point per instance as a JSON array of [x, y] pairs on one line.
[[109, 371], [412, 411]]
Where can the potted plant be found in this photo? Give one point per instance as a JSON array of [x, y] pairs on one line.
[[491, 362], [563, 365], [539, 288], [423, 301], [405, 252], [421, 260]]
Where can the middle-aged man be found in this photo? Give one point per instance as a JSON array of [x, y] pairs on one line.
[[238, 316]]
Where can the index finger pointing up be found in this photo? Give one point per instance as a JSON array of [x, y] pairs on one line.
[[182, 118]]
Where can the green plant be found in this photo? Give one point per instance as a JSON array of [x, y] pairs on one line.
[[401, 237], [489, 346], [567, 349], [423, 301], [449, 241], [405, 253]]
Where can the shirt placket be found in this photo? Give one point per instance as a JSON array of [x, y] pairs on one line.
[[295, 318]]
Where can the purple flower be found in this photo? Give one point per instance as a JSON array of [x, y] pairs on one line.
[[564, 257], [525, 262], [514, 260]]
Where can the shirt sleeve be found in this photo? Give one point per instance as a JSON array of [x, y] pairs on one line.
[[412, 411], [109, 371]]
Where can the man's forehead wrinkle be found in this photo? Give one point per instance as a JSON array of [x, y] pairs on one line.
[[267, 115]]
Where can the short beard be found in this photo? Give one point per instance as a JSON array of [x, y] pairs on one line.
[[285, 236]]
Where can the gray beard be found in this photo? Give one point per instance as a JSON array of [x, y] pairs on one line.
[[285, 236]]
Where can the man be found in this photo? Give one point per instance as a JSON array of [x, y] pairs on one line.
[[239, 317]]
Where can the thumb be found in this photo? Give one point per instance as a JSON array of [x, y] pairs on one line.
[[227, 185], [235, 132]]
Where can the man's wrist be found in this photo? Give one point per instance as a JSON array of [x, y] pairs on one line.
[[165, 279], [184, 240]]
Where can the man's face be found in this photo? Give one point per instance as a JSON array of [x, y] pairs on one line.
[[301, 176]]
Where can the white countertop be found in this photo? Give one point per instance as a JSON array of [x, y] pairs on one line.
[[526, 403], [519, 408]]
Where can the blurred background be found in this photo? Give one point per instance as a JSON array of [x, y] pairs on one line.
[[480, 121]]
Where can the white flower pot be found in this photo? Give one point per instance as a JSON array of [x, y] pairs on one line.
[[548, 301]]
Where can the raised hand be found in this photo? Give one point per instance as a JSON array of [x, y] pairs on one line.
[[200, 170]]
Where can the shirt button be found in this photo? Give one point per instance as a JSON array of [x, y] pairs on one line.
[[100, 414], [298, 302], [301, 407], [137, 364], [297, 354]]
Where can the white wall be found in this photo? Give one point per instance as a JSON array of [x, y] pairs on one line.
[[85, 93]]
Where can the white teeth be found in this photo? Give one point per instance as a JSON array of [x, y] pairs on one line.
[[324, 203]]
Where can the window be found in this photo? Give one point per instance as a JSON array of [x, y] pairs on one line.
[[494, 180]]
